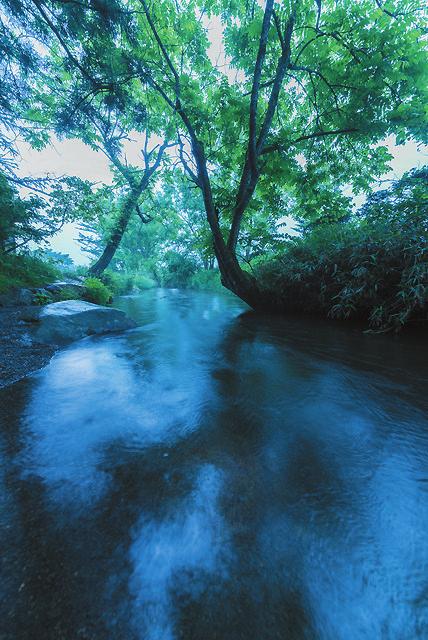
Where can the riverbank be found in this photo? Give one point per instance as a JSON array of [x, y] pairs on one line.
[[20, 354], [30, 335]]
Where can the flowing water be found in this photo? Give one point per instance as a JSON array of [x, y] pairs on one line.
[[216, 474]]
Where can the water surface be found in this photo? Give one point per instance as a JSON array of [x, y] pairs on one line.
[[216, 474]]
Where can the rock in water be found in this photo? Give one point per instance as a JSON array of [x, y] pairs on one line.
[[62, 322]]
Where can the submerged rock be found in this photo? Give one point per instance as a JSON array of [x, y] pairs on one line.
[[62, 322]]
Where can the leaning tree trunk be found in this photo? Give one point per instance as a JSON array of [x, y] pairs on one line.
[[116, 236], [240, 282], [233, 277]]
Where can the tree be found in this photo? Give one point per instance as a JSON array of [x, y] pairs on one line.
[[69, 95], [137, 181], [403, 204], [105, 123], [324, 79], [317, 86], [34, 219]]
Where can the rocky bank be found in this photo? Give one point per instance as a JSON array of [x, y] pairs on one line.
[[30, 335]]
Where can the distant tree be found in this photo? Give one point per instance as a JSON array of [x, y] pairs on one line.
[[62, 260], [404, 202], [32, 220], [105, 127]]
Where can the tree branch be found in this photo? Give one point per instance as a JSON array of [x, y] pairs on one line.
[[261, 55], [317, 134], [249, 175], [162, 48]]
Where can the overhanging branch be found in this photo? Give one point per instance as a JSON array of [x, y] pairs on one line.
[[316, 134]]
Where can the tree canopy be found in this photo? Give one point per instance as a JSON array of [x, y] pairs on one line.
[[292, 123]]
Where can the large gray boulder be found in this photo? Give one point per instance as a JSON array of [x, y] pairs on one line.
[[62, 322]]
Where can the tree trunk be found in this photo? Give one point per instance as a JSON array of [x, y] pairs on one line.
[[116, 236], [240, 282]]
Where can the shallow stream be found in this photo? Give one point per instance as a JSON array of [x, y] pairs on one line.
[[216, 474]]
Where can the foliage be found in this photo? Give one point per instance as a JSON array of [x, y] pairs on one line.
[[24, 271], [121, 283], [33, 220], [41, 298], [177, 270], [404, 203], [61, 260], [206, 280], [118, 283], [97, 292], [18, 217], [67, 293], [143, 281], [367, 271]]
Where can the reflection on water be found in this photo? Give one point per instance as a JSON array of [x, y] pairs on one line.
[[182, 553], [217, 474]]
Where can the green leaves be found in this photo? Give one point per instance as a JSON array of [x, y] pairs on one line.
[[107, 72]]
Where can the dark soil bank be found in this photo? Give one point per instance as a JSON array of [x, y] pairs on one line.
[[19, 353]]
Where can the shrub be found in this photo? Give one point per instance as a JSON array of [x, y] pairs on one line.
[[122, 283], [67, 293], [206, 280], [41, 299], [143, 281], [372, 272], [177, 270], [96, 291], [24, 271], [118, 283]]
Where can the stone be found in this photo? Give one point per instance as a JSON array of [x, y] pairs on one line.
[[62, 322], [76, 288], [16, 298]]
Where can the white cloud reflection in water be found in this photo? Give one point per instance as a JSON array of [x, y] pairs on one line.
[[98, 394], [178, 555]]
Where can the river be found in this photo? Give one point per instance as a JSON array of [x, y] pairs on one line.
[[217, 474]]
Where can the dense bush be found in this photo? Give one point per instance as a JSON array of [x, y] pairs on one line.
[[176, 270], [96, 291], [118, 283], [24, 271], [372, 271], [143, 281], [122, 283], [206, 280], [67, 293]]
